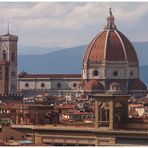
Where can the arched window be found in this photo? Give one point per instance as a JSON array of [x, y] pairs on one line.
[[26, 85], [1, 72], [7, 73], [4, 55], [12, 57], [74, 84], [104, 114], [119, 112], [42, 85], [58, 85]]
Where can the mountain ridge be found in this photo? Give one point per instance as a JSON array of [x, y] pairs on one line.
[[69, 60]]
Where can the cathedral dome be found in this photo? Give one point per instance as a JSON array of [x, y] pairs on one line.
[[110, 58], [110, 45]]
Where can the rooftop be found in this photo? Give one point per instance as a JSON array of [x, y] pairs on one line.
[[50, 76]]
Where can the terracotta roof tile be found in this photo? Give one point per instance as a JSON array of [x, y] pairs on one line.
[[95, 50], [7, 132], [51, 76], [110, 43], [130, 51], [79, 113], [93, 85], [65, 106], [114, 49], [137, 85]]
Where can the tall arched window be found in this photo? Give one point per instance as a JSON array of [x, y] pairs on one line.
[[4, 55], [12, 57], [7, 73], [104, 114], [58, 85], [119, 112], [42, 85], [1, 72]]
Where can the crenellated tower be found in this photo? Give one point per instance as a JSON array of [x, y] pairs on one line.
[[8, 63]]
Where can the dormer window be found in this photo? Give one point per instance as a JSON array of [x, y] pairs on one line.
[[115, 87]]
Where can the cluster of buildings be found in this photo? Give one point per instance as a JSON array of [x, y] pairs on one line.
[[106, 105]]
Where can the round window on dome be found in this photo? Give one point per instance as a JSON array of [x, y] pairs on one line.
[[95, 73], [115, 73]]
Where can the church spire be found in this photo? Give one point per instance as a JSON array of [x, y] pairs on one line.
[[110, 21], [8, 27]]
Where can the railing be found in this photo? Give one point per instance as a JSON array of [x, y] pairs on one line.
[[103, 123], [67, 140]]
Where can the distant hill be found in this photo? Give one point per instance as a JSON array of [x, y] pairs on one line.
[[63, 61], [69, 60], [144, 74], [142, 52]]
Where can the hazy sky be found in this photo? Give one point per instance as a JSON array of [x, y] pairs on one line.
[[71, 24]]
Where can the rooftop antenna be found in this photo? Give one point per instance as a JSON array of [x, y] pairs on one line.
[[110, 9]]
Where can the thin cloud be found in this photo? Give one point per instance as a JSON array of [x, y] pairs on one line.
[[70, 24]]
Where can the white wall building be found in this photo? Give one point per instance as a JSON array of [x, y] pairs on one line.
[[54, 84]]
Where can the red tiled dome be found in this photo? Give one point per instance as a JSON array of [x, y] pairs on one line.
[[93, 85], [110, 45], [109, 58]]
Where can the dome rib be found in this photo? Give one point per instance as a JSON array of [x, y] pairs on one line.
[[130, 50], [122, 45], [110, 45], [106, 44]]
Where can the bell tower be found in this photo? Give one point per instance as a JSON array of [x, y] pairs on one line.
[[8, 58], [111, 111]]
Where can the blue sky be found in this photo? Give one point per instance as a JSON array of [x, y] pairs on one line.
[[71, 24]]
